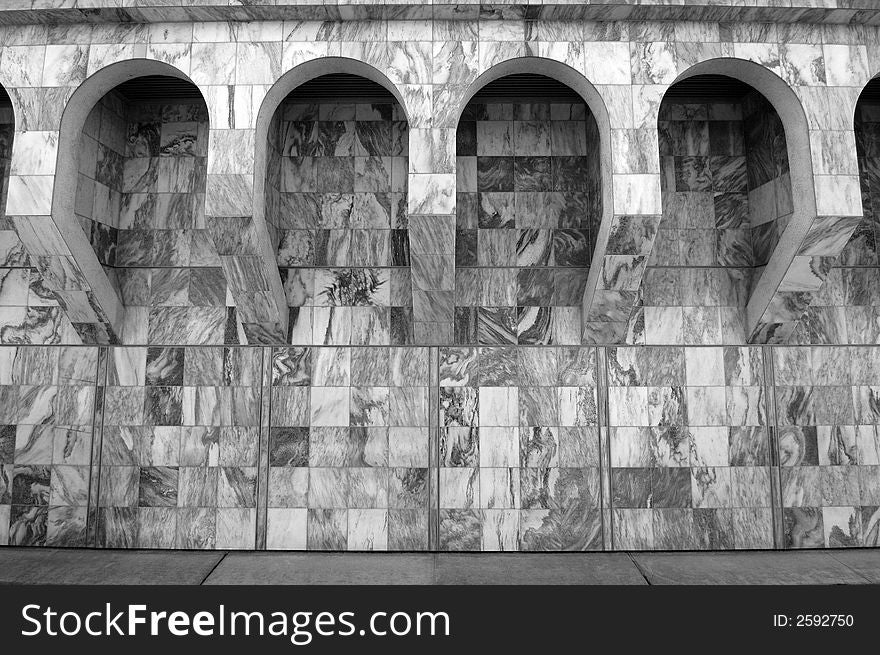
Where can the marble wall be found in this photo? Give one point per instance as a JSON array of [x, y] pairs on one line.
[[47, 420], [493, 448], [29, 310], [349, 449], [811, 72], [726, 195], [689, 448], [528, 206], [847, 309], [179, 444], [336, 197], [519, 449], [452, 344], [828, 444]]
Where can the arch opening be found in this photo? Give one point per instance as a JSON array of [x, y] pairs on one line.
[[335, 203], [727, 198], [141, 162], [529, 208]]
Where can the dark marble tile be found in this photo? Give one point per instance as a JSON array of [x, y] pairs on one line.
[[165, 367], [496, 325], [158, 486], [289, 447], [570, 173], [460, 530], [143, 139], [571, 248], [495, 173], [466, 139], [533, 174]]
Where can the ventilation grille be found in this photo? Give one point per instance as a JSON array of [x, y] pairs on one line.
[[340, 87], [524, 87], [871, 94], [708, 88], [158, 88]]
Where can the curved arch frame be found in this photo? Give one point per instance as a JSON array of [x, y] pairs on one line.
[[787, 105], [76, 111]]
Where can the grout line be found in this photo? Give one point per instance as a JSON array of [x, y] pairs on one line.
[[639, 568], [214, 568]]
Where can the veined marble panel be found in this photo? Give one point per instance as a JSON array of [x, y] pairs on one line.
[[179, 448], [519, 449], [47, 403], [827, 444], [689, 449], [349, 449]]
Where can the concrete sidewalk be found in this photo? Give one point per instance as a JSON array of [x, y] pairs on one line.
[[59, 566]]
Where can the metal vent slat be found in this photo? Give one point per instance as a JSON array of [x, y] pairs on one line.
[[708, 88], [871, 94], [527, 87], [340, 87], [158, 88]]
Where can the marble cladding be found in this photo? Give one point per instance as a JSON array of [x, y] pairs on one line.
[[349, 449], [29, 311], [519, 449], [483, 447], [433, 65], [828, 444], [336, 197], [770, 201], [179, 448], [47, 408], [689, 449], [726, 195], [141, 200], [847, 308], [528, 207], [767, 11]]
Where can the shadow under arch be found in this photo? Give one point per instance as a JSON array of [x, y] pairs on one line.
[[785, 102], [73, 119]]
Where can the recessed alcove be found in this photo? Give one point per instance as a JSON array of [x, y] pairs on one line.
[[336, 199], [727, 198], [140, 199], [528, 208]]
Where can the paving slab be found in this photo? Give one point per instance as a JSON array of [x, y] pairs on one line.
[[537, 568], [324, 568], [864, 561], [116, 567], [745, 568]]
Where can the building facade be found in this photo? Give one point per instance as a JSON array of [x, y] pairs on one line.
[[440, 276]]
